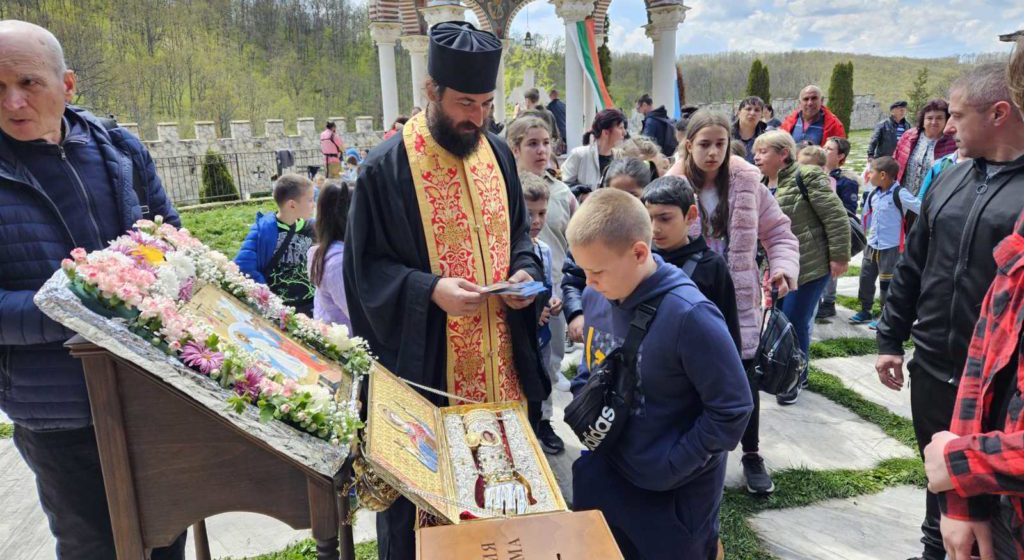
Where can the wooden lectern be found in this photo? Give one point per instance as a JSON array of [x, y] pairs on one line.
[[169, 462]]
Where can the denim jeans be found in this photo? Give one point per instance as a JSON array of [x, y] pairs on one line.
[[66, 464], [800, 306]]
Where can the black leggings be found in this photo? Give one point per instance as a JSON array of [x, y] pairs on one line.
[[750, 440]]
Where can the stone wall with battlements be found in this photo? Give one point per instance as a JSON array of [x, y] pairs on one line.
[[252, 160], [866, 111]]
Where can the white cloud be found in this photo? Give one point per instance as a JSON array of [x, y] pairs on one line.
[[918, 28], [633, 39]]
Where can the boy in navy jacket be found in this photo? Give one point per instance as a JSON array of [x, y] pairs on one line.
[[660, 486]]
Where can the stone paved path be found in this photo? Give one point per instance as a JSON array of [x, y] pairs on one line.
[[818, 434], [873, 527]]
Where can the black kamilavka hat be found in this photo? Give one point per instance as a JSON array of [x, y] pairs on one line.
[[464, 58]]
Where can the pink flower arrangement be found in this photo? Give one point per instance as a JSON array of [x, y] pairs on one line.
[[154, 270], [204, 360]]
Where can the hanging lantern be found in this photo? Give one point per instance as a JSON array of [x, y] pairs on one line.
[[528, 41]]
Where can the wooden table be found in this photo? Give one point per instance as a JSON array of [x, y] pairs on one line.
[[169, 462]]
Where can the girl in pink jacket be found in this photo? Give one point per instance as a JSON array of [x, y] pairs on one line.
[[736, 212]]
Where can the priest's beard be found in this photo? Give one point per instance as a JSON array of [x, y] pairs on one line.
[[460, 139]]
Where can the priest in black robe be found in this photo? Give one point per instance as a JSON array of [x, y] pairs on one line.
[[437, 214]]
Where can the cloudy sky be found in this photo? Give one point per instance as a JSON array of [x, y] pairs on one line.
[[916, 28]]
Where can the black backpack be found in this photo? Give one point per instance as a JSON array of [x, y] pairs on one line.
[[138, 184], [857, 238], [600, 411], [779, 360]]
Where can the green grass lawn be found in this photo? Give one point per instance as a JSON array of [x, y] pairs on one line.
[[853, 303], [223, 228], [6, 430], [858, 158]]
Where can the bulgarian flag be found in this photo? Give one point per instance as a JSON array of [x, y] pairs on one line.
[[586, 49]]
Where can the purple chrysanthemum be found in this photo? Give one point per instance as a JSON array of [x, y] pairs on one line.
[[251, 384], [197, 356], [186, 290]]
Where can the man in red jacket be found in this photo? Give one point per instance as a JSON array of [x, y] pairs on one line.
[[813, 122]]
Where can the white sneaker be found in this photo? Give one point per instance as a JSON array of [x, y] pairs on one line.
[[562, 384]]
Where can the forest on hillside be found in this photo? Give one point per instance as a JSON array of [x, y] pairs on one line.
[[150, 61]]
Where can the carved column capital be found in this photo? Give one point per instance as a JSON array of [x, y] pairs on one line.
[[571, 11], [385, 33]]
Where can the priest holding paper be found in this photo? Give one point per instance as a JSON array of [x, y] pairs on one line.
[[438, 216]]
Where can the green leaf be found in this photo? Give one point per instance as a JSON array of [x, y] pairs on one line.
[[266, 413]]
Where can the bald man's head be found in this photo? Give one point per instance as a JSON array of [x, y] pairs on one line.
[[810, 101], [35, 84], [37, 38]]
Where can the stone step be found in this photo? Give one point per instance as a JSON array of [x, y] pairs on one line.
[[818, 434], [24, 531], [839, 327], [883, 525], [858, 373]]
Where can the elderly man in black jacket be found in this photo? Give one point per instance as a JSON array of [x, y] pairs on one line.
[[938, 286], [888, 132]]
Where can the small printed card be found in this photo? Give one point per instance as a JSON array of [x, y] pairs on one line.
[[521, 289]]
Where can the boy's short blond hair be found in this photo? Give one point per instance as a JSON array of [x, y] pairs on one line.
[[780, 141], [612, 217], [639, 147], [534, 188], [814, 155]]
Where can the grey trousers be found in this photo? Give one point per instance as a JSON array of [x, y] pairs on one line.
[[551, 357]]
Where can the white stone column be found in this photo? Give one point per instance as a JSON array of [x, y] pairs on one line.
[[417, 47], [662, 31], [386, 35], [572, 11], [499, 86], [440, 11]]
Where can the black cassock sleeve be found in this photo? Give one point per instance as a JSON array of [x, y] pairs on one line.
[[388, 282]]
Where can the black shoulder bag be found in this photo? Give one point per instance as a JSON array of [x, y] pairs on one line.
[[779, 360], [600, 411]]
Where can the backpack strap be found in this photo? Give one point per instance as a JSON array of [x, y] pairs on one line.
[[896, 198], [279, 253], [803, 192], [138, 185], [642, 317], [800, 185], [868, 209], [691, 263]]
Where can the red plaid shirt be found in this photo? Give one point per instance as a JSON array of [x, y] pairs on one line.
[[984, 465]]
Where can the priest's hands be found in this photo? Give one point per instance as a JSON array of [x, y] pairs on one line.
[[457, 297], [516, 302]]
